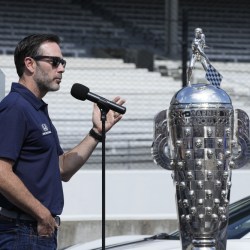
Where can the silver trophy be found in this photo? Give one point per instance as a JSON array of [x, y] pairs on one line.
[[201, 138]]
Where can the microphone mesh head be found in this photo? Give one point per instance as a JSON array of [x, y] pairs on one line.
[[79, 91]]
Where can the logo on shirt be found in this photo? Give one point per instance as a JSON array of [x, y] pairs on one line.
[[45, 129]]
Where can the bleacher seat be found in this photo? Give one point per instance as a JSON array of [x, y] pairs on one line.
[[73, 22], [126, 24]]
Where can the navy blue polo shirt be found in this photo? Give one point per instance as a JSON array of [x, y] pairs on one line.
[[28, 137]]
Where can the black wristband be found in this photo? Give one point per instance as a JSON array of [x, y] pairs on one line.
[[96, 136]]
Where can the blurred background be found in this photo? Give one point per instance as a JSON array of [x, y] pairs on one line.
[[138, 49]]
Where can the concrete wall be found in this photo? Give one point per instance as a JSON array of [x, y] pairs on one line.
[[73, 232]]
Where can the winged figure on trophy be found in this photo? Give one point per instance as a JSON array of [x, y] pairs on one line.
[[201, 138]]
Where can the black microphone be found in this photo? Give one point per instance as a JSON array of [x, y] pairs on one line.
[[82, 93]]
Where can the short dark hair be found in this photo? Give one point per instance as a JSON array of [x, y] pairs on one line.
[[29, 46]]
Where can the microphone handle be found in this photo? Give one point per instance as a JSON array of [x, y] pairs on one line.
[[106, 103]]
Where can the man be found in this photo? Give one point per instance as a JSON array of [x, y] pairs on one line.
[[198, 54], [32, 163]]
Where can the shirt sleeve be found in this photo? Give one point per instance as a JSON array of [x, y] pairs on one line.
[[12, 131]]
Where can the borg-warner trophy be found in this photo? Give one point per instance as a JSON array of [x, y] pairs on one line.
[[201, 138]]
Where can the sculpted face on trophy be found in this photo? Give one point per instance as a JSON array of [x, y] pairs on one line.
[[201, 138]]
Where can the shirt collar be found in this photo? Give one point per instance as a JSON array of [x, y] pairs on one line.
[[28, 95]]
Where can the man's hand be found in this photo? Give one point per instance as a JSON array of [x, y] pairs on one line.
[[17, 193], [74, 159], [46, 226], [112, 117]]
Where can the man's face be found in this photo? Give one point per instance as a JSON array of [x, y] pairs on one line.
[[47, 76]]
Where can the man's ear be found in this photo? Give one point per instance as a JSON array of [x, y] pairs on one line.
[[30, 64]]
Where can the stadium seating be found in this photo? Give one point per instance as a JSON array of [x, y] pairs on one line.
[[81, 28], [76, 25], [225, 24], [137, 24], [116, 26]]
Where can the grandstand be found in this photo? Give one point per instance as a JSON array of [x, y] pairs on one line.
[[225, 24], [117, 27], [101, 40], [85, 25]]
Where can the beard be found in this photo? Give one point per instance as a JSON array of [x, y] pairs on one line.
[[44, 82]]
